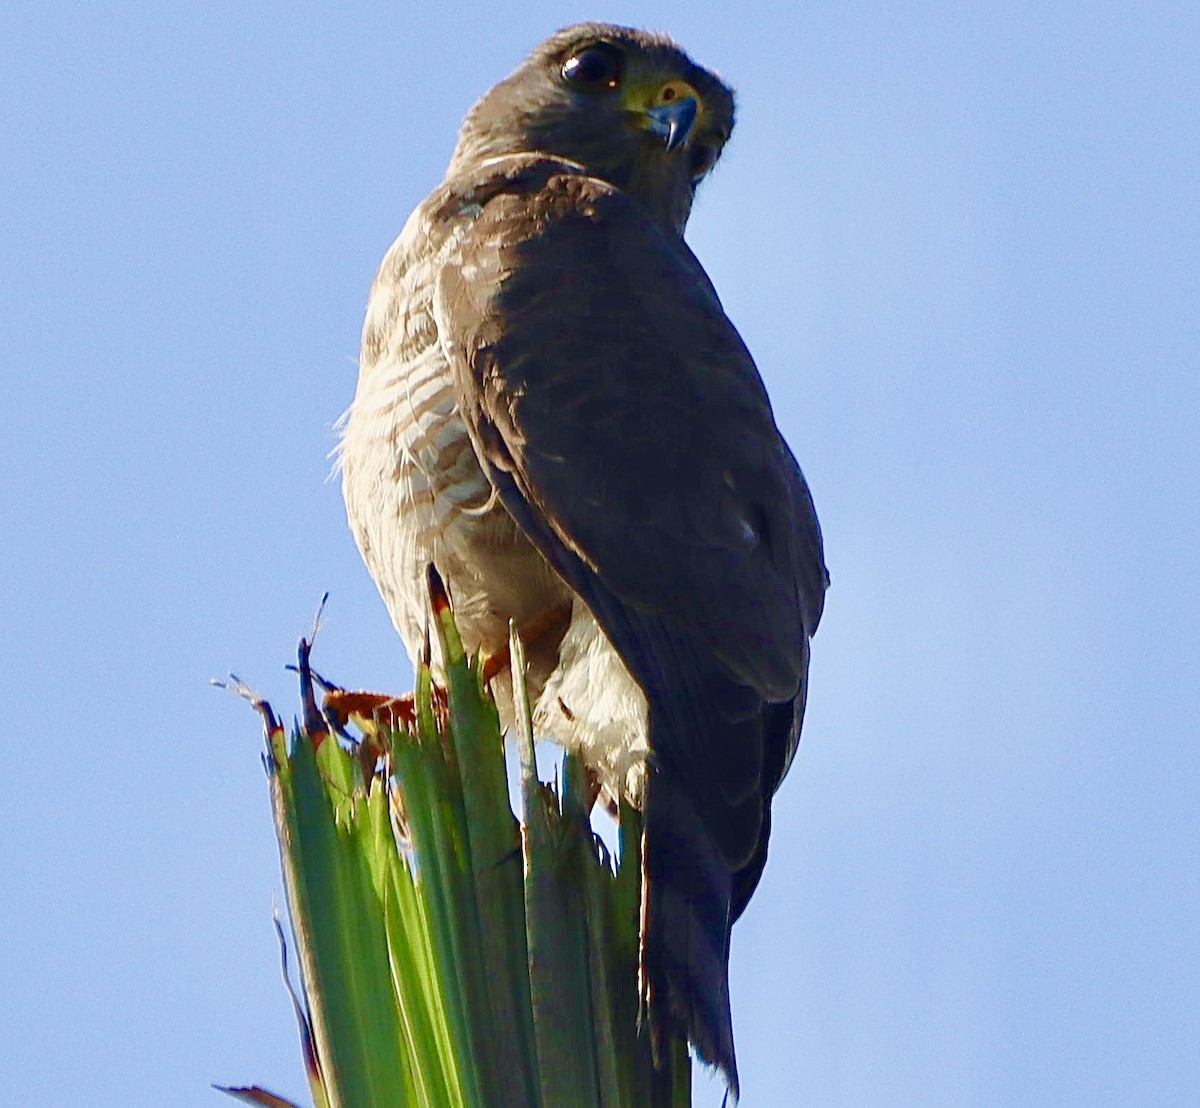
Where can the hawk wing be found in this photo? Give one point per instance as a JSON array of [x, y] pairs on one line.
[[620, 417]]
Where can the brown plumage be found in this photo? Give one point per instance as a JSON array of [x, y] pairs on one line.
[[554, 408]]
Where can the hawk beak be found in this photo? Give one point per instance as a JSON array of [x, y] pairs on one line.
[[674, 120]]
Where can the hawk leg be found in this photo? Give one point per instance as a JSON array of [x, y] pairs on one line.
[[342, 705], [551, 623]]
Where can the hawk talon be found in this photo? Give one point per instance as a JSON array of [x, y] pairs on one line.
[[382, 709]]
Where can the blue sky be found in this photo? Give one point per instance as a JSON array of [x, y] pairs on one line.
[[962, 242]]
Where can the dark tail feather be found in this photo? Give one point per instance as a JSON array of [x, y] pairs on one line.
[[686, 894]]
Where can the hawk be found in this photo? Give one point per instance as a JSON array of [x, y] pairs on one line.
[[555, 411]]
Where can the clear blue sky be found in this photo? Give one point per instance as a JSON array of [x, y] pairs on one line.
[[963, 243]]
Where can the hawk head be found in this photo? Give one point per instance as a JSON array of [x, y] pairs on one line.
[[628, 106]]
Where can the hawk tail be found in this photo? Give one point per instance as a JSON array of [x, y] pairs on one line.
[[686, 907]]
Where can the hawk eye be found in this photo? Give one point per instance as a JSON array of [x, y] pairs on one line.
[[594, 68]]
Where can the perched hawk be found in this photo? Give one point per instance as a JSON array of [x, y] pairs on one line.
[[554, 409]]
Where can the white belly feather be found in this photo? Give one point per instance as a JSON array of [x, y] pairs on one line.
[[591, 704]]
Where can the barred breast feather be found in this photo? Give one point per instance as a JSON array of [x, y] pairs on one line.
[[415, 494]]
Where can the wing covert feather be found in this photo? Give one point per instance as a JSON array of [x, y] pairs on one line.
[[595, 366]]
